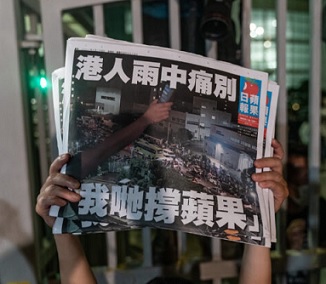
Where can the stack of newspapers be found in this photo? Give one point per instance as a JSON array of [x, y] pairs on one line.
[[165, 139]]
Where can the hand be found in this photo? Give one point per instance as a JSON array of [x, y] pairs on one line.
[[157, 112], [55, 190], [273, 179]]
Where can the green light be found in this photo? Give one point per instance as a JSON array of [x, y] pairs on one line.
[[43, 82]]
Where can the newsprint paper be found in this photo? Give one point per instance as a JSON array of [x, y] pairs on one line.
[[189, 172]]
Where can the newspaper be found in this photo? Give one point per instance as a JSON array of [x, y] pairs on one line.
[[189, 172], [270, 119], [58, 104]]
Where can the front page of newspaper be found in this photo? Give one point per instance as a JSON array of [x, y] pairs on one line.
[[189, 172]]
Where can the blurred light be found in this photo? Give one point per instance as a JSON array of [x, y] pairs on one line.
[[27, 21], [260, 31], [267, 43], [256, 30], [41, 50], [253, 34], [43, 83], [296, 106], [253, 26]]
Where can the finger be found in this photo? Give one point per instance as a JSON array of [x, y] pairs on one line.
[[165, 108], [54, 197], [168, 104], [273, 181], [60, 180], [272, 163], [43, 206], [278, 187], [60, 189], [267, 176], [49, 220], [280, 193], [44, 202], [278, 149], [64, 180], [58, 163]]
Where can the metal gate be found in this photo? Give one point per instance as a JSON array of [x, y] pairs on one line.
[[217, 268]]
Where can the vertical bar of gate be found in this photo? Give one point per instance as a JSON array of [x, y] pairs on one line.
[[281, 72], [246, 40], [147, 247], [315, 9], [314, 105], [174, 24], [175, 42], [54, 51], [112, 258], [98, 15], [211, 48], [281, 118], [137, 21]]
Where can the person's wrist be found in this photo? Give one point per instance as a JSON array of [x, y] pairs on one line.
[[145, 120], [65, 237]]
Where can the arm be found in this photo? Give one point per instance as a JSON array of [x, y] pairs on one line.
[[256, 260], [256, 265], [74, 267], [155, 113]]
